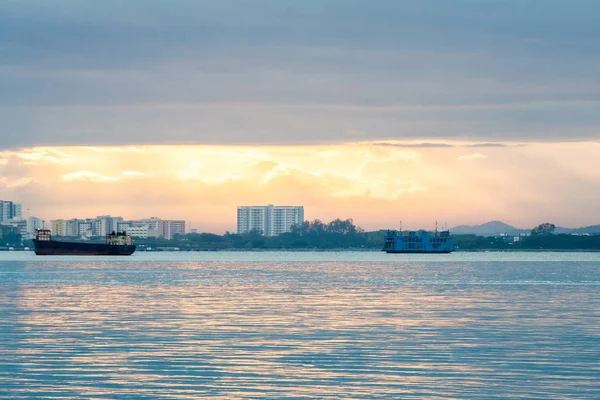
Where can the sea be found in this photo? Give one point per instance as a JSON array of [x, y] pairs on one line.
[[300, 325]]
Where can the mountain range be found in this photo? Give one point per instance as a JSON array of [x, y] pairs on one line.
[[493, 228]]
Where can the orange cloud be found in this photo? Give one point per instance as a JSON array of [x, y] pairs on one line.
[[374, 184], [473, 156]]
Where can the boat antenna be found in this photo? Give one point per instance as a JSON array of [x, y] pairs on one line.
[[436, 227], [400, 225]]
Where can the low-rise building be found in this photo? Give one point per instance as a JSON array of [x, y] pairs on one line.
[[171, 228], [100, 226]]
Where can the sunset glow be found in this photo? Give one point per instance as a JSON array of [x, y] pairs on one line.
[[378, 184]]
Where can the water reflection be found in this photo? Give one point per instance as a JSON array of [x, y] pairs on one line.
[[106, 329]]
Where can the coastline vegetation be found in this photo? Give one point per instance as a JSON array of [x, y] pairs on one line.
[[340, 235]]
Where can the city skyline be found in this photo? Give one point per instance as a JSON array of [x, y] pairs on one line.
[[461, 112]]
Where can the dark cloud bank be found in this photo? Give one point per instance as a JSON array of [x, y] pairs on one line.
[[272, 72]]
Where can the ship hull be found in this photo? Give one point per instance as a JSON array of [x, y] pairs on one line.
[[418, 242], [55, 248], [417, 251]]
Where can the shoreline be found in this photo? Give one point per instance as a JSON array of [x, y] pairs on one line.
[[316, 250], [234, 250]]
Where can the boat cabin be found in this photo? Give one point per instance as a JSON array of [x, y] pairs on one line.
[[119, 238], [43, 235]]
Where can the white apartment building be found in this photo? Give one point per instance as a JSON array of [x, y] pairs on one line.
[[72, 227], [105, 224], [33, 223], [171, 228], [270, 220], [138, 231], [154, 224], [124, 226], [165, 228], [17, 211], [153, 228], [59, 227], [85, 228]]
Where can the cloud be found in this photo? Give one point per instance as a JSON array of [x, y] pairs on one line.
[[7, 183], [96, 177], [412, 145], [378, 189], [494, 145], [44, 155], [88, 175], [355, 132], [133, 174], [200, 73], [473, 156], [368, 183], [128, 149], [277, 171], [454, 143]]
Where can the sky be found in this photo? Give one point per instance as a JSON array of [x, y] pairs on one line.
[[460, 111]]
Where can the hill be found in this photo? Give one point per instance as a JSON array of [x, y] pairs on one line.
[[490, 228], [586, 229], [493, 228]]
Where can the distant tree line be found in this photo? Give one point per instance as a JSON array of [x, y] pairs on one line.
[[541, 237], [341, 234], [544, 229], [9, 236], [336, 234]]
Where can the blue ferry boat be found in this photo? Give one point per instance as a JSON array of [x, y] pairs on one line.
[[418, 242]]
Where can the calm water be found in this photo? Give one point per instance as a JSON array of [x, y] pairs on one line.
[[301, 325]]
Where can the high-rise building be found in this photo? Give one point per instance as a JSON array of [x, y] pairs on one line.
[[17, 211], [269, 220], [9, 210]]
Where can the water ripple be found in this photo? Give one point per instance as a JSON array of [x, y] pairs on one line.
[[302, 329]]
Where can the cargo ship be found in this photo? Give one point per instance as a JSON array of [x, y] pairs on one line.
[[117, 244], [418, 242]]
